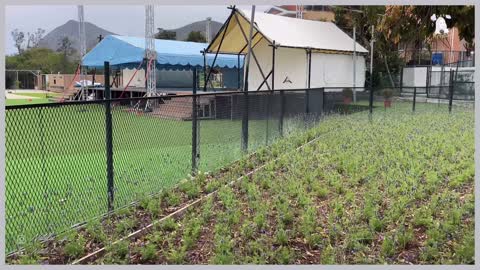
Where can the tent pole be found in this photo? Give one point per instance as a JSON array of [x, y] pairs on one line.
[[219, 46], [273, 65], [354, 65], [204, 71], [245, 102], [309, 53], [238, 71], [249, 42]]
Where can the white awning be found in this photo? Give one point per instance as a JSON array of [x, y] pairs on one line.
[[285, 31]]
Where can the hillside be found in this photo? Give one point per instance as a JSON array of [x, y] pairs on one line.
[[70, 30], [182, 32]]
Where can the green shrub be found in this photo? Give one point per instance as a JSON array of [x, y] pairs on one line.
[[148, 252], [376, 224], [169, 225], [328, 255], [465, 253], [405, 237], [75, 247], [388, 247], [284, 255], [281, 237]]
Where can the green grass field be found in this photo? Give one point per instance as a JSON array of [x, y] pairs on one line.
[[13, 102], [38, 98], [56, 161]]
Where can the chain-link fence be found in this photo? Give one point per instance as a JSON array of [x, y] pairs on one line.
[[69, 162]]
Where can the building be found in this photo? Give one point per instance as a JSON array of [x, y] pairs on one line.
[[307, 53], [312, 12]]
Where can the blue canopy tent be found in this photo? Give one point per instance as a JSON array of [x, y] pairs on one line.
[[128, 52]]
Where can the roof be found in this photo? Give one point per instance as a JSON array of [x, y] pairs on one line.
[[171, 54], [285, 31]]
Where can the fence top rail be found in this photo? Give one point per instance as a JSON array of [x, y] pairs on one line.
[[232, 93]]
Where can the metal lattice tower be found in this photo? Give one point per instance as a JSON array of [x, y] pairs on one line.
[[208, 34], [83, 50], [299, 11], [150, 53]]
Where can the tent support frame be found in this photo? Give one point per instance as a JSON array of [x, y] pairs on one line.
[[264, 81], [253, 54], [218, 49], [246, 45]]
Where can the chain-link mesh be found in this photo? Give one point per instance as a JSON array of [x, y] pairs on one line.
[[151, 146], [55, 169], [56, 154]]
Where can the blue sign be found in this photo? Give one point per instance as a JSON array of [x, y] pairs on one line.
[[437, 58]]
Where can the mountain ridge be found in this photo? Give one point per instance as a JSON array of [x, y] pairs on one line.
[[70, 30]]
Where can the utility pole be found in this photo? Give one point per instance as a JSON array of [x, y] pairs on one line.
[[354, 65]]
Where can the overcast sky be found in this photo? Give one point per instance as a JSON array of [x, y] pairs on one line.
[[122, 20]]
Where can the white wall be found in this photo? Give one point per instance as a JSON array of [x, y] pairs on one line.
[[137, 81], [291, 65], [328, 70], [414, 77], [263, 52], [336, 70]]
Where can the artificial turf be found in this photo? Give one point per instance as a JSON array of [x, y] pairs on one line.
[[56, 172]]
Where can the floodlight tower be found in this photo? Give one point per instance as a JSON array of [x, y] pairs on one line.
[[150, 53], [83, 50]]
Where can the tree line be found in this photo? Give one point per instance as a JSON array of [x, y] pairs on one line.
[[30, 56], [401, 27]]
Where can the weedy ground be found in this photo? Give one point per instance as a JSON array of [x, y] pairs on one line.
[[397, 189]]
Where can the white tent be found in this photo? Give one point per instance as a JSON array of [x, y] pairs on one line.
[[330, 48]]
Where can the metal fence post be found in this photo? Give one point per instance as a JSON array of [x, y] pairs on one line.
[[450, 98], [109, 137], [195, 154], [414, 98], [322, 112], [282, 112], [245, 121], [401, 80], [307, 107], [370, 105]]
